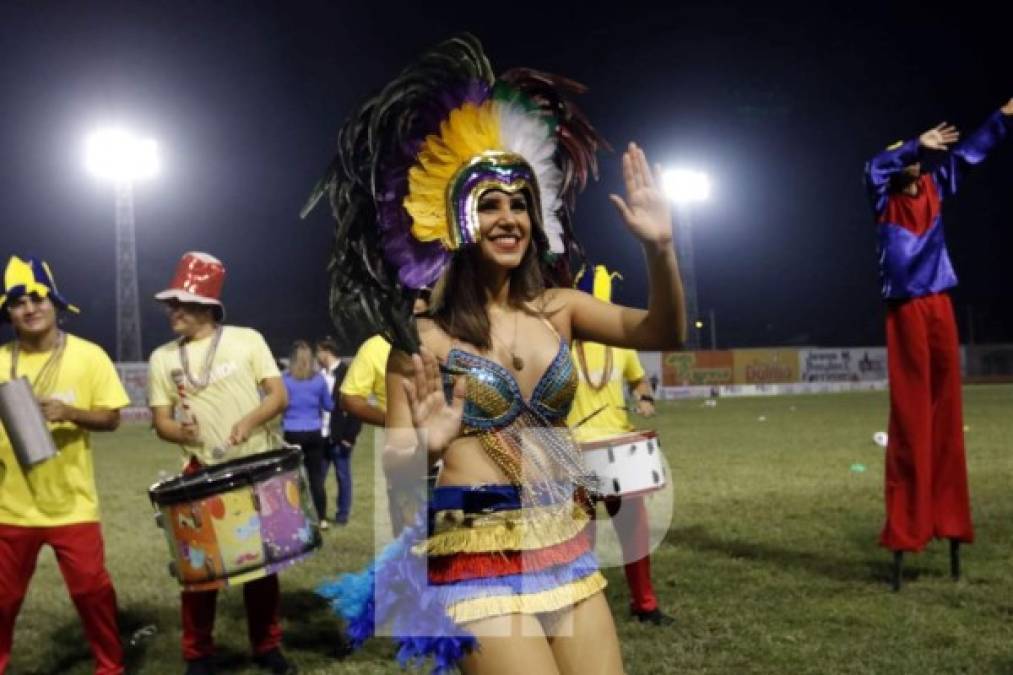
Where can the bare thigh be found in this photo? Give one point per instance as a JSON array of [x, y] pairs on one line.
[[583, 639], [509, 644]]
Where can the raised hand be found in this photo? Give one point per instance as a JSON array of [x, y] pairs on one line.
[[436, 422], [939, 137], [1008, 108], [645, 208]]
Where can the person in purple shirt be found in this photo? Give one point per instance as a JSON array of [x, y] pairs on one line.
[[926, 470], [308, 398]]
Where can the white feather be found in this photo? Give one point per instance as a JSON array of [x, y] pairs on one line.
[[526, 134]]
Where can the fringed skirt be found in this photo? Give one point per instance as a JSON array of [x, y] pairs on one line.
[[487, 555], [475, 553]]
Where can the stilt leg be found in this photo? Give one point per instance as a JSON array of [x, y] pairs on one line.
[[955, 559], [898, 566]]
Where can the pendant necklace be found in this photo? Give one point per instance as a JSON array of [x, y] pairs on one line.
[[516, 362]]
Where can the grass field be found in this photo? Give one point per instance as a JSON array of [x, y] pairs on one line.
[[771, 564]]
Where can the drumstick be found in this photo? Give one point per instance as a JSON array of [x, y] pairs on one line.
[[177, 378], [590, 417]]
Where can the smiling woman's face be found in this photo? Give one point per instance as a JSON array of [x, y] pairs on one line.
[[506, 227]]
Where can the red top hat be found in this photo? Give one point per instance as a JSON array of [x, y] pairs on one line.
[[198, 279]]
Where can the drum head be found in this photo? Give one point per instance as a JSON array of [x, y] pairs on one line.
[[223, 477]]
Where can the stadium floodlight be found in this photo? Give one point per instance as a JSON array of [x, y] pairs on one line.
[[684, 186], [117, 155]]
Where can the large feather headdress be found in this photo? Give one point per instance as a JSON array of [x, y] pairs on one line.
[[412, 163]]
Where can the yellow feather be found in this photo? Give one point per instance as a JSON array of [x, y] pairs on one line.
[[469, 131]]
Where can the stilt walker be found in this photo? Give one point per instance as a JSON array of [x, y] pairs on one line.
[[926, 470]]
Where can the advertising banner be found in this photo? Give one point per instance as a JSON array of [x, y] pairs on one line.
[[704, 368], [766, 366], [859, 364]]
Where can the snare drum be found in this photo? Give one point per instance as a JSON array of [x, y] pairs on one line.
[[237, 521], [625, 465]]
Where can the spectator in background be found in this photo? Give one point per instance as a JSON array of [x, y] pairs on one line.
[[339, 429], [308, 398]]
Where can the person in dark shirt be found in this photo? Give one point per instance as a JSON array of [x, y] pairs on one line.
[[340, 429]]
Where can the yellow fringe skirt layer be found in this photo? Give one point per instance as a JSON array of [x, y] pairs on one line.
[[531, 603]]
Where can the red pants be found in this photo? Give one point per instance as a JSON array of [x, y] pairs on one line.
[[263, 605], [80, 555], [629, 517], [262, 598], [926, 471]]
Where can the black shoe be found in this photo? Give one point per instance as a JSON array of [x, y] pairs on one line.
[[341, 520], [655, 616], [199, 667], [275, 662]]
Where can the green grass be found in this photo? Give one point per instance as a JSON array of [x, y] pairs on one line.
[[770, 566]]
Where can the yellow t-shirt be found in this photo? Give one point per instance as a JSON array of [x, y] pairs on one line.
[[613, 419], [242, 362], [367, 374], [61, 490]]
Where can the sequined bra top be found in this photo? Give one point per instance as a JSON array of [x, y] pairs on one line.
[[494, 399]]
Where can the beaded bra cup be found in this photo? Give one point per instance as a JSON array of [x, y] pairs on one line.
[[494, 399]]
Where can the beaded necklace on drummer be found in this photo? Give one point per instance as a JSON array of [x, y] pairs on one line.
[[209, 358], [606, 373], [49, 368]]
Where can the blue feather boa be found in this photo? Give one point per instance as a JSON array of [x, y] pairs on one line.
[[404, 601]]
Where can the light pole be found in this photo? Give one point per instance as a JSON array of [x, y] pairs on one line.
[[122, 159], [684, 187]]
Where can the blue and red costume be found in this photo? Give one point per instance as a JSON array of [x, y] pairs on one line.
[[926, 470]]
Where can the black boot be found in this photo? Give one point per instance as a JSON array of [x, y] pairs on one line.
[[898, 566], [954, 559]]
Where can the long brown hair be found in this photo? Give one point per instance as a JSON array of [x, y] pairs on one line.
[[300, 363], [457, 305]]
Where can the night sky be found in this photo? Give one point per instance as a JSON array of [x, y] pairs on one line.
[[781, 105]]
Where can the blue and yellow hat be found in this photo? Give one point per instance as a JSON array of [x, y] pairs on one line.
[[23, 277], [597, 282]]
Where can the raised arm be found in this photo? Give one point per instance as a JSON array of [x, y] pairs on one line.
[[662, 325], [881, 169], [973, 149]]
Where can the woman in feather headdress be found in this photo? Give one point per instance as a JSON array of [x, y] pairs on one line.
[[454, 178]]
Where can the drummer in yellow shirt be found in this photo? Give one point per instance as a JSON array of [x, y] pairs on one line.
[[599, 411], [234, 392], [367, 379], [55, 502]]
